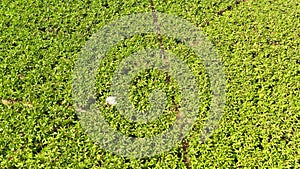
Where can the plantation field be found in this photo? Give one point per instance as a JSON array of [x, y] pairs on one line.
[[257, 41]]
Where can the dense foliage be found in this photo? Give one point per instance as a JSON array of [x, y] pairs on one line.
[[258, 42]]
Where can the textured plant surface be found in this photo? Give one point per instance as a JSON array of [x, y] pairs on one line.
[[257, 40]]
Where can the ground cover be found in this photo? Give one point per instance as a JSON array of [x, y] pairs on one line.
[[257, 41]]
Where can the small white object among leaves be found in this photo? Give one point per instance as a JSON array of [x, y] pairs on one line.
[[111, 100]]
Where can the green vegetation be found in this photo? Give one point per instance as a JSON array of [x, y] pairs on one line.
[[258, 42]]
